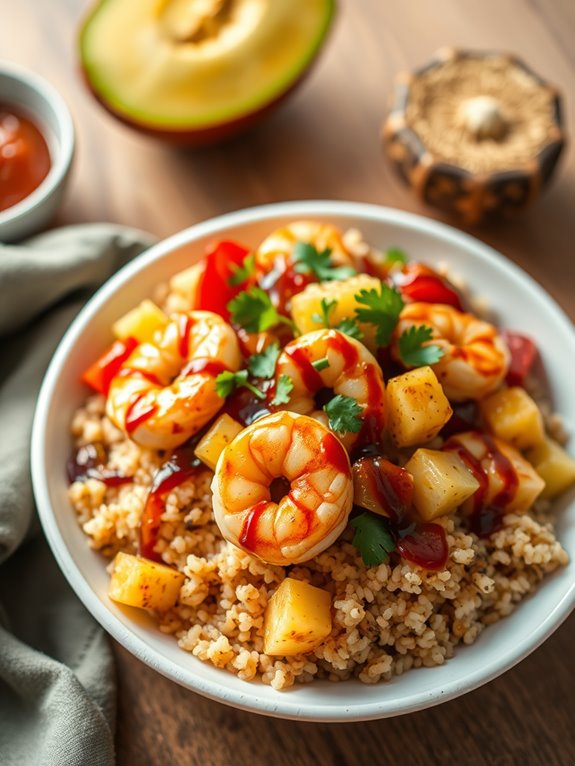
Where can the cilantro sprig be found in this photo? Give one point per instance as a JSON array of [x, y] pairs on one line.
[[412, 350], [344, 414], [263, 365], [326, 309], [227, 382], [284, 387], [395, 256], [254, 311], [244, 272], [382, 310], [372, 538], [349, 326], [309, 260]]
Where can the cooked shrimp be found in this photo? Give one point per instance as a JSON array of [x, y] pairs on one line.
[[507, 482], [280, 243], [344, 366], [165, 391], [475, 357], [283, 489]]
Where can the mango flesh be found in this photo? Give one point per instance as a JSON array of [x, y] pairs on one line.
[[442, 482], [512, 415], [183, 65], [555, 466], [144, 584]]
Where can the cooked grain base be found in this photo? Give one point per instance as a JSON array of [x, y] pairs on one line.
[[386, 619]]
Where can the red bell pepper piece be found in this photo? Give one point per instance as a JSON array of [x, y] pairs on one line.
[[214, 288], [420, 283], [99, 375], [524, 354]]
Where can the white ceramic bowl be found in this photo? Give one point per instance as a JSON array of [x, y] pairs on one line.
[[520, 303], [44, 105]]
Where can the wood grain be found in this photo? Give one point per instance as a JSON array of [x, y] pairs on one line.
[[324, 143]]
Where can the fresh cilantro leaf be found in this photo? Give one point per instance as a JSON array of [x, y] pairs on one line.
[[350, 327], [412, 351], [327, 307], [320, 364], [395, 255], [244, 272], [372, 538], [383, 310], [263, 365], [226, 382], [284, 388], [343, 414], [254, 311], [309, 260]]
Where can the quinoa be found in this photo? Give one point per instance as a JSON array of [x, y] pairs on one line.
[[386, 618]]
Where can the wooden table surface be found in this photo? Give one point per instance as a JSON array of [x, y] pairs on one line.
[[324, 143]]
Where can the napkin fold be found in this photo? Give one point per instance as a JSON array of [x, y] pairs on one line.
[[57, 686]]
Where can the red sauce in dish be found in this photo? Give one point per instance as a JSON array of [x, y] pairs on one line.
[[137, 413], [24, 157], [249, 536], [181, 464], [88, 463]]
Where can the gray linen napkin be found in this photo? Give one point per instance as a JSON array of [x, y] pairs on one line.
[[57, 687]]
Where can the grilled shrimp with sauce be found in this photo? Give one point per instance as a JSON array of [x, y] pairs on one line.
[[475, 359], [166, 391], [344, 366], [281, 242], [283, 489], [507, 482]]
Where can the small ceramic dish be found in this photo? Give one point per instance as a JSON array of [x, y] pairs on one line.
[[36, 98], [518, 302]]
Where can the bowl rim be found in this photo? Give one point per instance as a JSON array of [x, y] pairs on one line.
[[61, 154], [287, 707]]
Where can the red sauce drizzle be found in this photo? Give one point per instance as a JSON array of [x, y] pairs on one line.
[[185, 324], [309, 375], [373, 417], [487, 519], [339, 343], [335, 453], [282, 282], [134, 372], [181, 464], [88, 463], [136, 415], [207, 366], [249, 536], [424, 544]]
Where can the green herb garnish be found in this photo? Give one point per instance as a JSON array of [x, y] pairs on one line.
[[372, 538], [226, 382], [395, 255], [383, 310], [309, 260], [284, 388], [350, 327], [343, 414], [263, 365], [320, 364], [244, 272], [413, 353], [254, 311], [327, 307]]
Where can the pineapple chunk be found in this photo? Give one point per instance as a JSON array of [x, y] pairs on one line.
[[417, 407], [143, 583], [512, 415], [140, 323], [297, 618], [554, 465], [185, 283], [441, 482], [212, 444], [307, 303]]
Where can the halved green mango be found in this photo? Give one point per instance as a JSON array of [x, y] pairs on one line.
[[199, 69]]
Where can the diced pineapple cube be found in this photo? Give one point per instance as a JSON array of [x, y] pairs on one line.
[[297, 618], [140, 323], [554, 465], [417, 407], [212, 444], [512, 415], [143, 583], [307, 304], [441, 482], [185, 283]]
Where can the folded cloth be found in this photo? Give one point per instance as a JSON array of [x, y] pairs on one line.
[[57, 687]]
